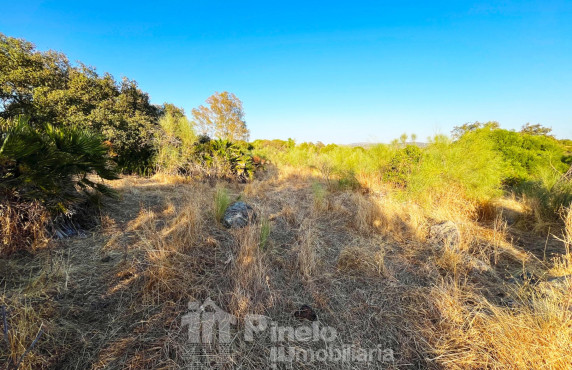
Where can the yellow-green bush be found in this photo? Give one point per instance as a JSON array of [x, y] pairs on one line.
[[175, 143]]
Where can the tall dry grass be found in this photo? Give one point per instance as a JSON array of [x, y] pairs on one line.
[[23, 226], [562, 264], [467, 331], [305, 249], [249, 273]]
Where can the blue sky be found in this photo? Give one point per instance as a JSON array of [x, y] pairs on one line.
[[331, 71]]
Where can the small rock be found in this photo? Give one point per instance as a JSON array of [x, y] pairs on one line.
[[528, 277], [306, 312], [238, 215], [106, 259], [445, 232]]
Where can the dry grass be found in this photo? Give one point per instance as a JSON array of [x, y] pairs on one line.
[[22, 226], [305, 249], [363, 260], [25, 331], [471, 332], [249, 273], [562, 264]]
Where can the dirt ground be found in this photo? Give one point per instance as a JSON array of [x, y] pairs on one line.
[[114, 296]]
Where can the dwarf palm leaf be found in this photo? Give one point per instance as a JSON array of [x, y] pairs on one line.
[[53, 165]]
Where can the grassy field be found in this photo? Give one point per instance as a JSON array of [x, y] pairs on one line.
[[371, 262]]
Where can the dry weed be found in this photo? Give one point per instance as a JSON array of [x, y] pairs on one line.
[[305, 249], [362, 261], [470, 332]]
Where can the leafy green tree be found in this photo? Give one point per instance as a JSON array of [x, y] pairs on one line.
[[222, 119], [536, 129], [47, 88], [459, 131], [175, 141]]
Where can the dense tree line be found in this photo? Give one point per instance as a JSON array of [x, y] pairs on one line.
[[48, 89]]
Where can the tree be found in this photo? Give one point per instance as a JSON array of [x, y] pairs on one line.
[[459, 131], [223, 118], [45, 87], [537, 129], [175, 141]]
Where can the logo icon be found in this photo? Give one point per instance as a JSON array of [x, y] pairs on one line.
[[202, 320]]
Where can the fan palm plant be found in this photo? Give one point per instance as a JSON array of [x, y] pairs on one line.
[[56, 166]]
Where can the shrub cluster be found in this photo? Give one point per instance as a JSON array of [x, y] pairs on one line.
[[54, 166], [181, 152], [482, 161], [44, 173], [48, 89]]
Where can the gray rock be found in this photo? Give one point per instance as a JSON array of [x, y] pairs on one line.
[[445, 232], [238, 215]]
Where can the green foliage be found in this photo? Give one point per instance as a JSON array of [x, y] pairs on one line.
[[402, 164], [223, 159], [175, 143], [223, 118], [547, 194], [48, 89], [264, 233], [525, 153], [470, 164], [51, 165], [221, 202], [343, 161]]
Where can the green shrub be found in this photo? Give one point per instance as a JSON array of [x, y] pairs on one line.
[[402, 164], [50, 90], [52, 165], [525, 153], [469, 163], [223, 159], [547, 194], [174, 144], [221, 202]]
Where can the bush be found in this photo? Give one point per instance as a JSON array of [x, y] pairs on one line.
[[402, 165], [469, 163], [547, 195], [524, 154], [222, 159], [175, 144], [51, 165]]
